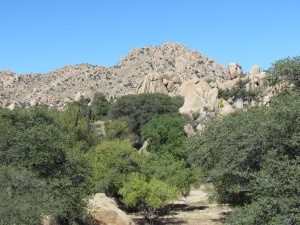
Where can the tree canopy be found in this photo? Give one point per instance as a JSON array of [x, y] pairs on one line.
[[165, 135], [285, 70], [139, 109]]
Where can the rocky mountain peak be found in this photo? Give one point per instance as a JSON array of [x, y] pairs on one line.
[[172, 62]]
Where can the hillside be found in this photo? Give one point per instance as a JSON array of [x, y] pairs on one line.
[[65, 84]]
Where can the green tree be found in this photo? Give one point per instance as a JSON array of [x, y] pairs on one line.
[[139, 109], [100, 106], [244, 154], [148, 196], [117, 129], [29, 138], [112, 162], [24, 198], [285, 70], [33, 145], [275, 196], [165, 135], [174, 172], [78, 131], [84, 111]]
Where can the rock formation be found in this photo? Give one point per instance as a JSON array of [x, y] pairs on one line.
[[170, 68], [235, 70], [105, 211]]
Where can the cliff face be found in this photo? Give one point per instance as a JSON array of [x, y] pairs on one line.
[[63, 85]]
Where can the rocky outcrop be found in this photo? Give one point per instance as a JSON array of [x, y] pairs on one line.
[[152, 83], [198, 96], [105, 211], [189, 130], [225, 107], [255, 70], [235, 70], [170, 68]]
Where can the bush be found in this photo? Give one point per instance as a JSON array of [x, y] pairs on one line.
[[275, 196], [24, 198], [174, 172], [148, 196]]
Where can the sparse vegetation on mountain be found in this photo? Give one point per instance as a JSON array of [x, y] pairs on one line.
[[239, 91], [59, 87]]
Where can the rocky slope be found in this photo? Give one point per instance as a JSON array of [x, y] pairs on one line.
[[171, 63]]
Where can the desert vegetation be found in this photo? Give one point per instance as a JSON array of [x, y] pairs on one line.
[[52, 161]]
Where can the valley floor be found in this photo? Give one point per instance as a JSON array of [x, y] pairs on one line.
[[192, 210]]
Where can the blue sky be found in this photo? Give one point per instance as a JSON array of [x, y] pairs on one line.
[[41, 35]]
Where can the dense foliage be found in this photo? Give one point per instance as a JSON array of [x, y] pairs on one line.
[[165, 134], [23, 197], [94, 110], [246, 156], [39, 166], [52, 160], [139, 109], [100, 106], [119, 169], [285, 70]]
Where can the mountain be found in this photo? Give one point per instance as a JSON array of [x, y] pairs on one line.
[[65, 84]]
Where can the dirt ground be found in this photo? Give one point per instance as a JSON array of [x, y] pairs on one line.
[[192, 210]]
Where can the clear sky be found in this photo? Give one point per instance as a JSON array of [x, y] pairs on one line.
[[41, 35]]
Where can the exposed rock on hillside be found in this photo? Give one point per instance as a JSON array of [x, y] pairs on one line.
[[170, 68], [235, 70], [150, 69]]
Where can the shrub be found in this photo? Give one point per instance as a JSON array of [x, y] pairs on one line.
[[148, 196]]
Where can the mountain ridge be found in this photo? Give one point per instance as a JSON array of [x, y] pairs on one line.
[[62, 85]]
